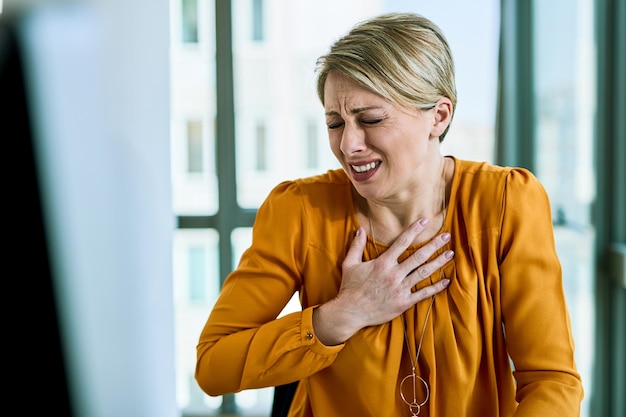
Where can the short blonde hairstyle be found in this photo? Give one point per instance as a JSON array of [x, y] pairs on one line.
[[403, 57]]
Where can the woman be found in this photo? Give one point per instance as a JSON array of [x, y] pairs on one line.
[[429, 285]]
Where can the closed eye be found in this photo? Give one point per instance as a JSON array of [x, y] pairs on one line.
[[334, 125], [337, 125]]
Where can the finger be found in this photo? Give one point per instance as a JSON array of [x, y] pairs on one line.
[[430, 290], [405, 239], [355, 252], [424, 253], [427, 269]]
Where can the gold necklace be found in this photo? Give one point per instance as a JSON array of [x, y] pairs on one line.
[[415, 407]]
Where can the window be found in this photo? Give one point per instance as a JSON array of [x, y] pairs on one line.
[[194, 259], [261, 147], [197, 273], [257, 20], [312, 141], [564, 103], [195, 148], [189, 21]]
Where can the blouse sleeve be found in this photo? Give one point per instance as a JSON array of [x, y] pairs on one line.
[[536, 319], [243, 344]]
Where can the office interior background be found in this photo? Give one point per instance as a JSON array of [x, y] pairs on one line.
[[150, 132]]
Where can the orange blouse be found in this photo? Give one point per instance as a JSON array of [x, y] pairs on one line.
[[498, 340]]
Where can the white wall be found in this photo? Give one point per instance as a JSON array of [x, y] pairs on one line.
[[98, 73]]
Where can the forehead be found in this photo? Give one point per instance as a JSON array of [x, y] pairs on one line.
[[342, 92]]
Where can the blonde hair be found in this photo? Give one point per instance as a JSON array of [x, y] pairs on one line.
[[403, 57]]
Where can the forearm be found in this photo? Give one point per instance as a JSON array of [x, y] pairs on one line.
[[276, 353]]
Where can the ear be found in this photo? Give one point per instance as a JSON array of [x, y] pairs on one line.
[[443, 116]]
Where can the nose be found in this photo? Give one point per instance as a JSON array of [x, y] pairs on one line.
[[352, 139]]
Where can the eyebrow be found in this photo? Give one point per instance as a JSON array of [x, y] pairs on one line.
[[353, 111]]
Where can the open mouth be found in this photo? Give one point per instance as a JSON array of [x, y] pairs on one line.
[[364, 172], [365, 168]]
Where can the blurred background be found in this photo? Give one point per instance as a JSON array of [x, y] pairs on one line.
[[144, 135]]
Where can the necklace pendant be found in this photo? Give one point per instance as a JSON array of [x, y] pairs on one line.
[[414, 406]]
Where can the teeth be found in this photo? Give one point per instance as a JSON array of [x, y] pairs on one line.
[[364, 168]]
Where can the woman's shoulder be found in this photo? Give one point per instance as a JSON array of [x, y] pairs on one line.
[[317, 190], [486, 185], [313, 200], [485, 174], [335, 179], [484, 193], [332, 178]]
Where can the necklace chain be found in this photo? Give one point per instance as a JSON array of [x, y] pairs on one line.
[[415, 407]]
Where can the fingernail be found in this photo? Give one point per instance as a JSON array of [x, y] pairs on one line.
[[448, 254], [445, 282], [423, 222], [358, 231], [445, 237]]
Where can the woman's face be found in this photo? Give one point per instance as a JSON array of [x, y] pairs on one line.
[[385, 149]]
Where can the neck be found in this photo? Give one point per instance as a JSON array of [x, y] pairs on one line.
[[429, 201]]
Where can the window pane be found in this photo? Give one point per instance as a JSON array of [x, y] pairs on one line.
[[257, 20], [195, 148], [313, 144], [194, 179], [261, 148], [197, 273], [564, 102], [189, 21], [196, 287]]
